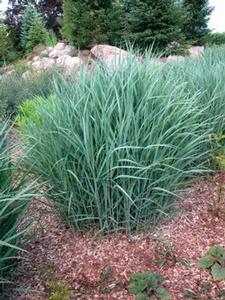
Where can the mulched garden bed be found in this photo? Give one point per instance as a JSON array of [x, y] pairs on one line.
[[57, 254]]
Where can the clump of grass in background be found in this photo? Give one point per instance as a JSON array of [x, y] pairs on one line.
[[14, 198], [116, 148], [14, 90]]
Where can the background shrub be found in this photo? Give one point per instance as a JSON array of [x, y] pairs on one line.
[[28, 112], [14, 90], [7, 50], [216, 38], [115, 148]]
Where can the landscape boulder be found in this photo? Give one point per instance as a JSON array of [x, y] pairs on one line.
[[109, 55], [69, 64], [59, 51], [175, 58], [196, 51], [60, 46], [42, 64], [27, 75], [46, 51]]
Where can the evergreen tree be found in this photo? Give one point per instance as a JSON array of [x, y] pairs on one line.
[[27, 21], [196, 26], [51, 11], [37, 34], [86, 22], [33, 30], [154, 22]]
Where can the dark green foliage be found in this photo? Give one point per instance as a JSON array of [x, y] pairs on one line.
[[88, 22], [27, 20], [51, 11], [148, 284], [216, 38], [7, 47], [155, 22], [33, 30], [37, 34], [196, 25], [215, 261]]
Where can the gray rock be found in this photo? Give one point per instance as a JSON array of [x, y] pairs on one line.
[[43, 64], [196, 51], [27, 75], [175, 58], [69, 64], [111, 56]]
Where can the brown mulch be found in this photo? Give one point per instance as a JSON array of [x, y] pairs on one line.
[[58, 253]]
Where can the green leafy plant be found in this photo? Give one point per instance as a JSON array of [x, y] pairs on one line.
[[28, 112], [148, 285], [215, 261]]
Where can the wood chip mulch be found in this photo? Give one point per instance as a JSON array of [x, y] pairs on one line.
[[58, 253]]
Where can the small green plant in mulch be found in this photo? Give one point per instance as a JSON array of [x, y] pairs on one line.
[[165, 254], [106, 285], [147, 286], [203, 291], [59, 291], [214, 260], [218, 150]]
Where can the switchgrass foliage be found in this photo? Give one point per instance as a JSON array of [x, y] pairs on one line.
[[117, 147], [14, 198]]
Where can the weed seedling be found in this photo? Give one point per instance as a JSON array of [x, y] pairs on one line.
[[148, 286], [165, 254], [214, 260]]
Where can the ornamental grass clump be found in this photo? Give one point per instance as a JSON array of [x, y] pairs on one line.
[[116, 148], [14, 198]]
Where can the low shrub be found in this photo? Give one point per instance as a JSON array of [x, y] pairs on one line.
[[217, 38], [14, 198], [116, 148], [14, 90], [28, 112], [8, 53]]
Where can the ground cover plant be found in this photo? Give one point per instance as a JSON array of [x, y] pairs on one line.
[[148, 286], [116, 148], [14, 198], [214, 260]]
